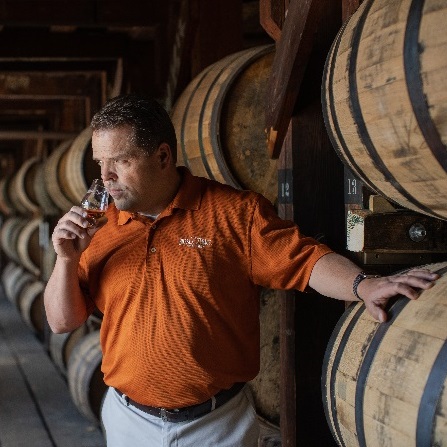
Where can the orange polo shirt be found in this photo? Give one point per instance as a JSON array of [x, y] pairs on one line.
[[180, 296]]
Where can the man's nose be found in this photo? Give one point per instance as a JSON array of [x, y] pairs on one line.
[[107, 172]]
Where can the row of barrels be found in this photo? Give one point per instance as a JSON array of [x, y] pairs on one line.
[[25, 291], [20, 241], [220, 129], [78, 357], [37, 190], [52, 186]]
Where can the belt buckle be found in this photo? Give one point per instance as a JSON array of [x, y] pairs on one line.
[[173, 416], [163, 415]]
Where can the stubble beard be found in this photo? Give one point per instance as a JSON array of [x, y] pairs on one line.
[[125, 203]]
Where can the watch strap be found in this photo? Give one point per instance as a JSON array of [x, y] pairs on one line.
[[358, 279]]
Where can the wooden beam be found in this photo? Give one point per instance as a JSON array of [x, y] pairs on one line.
[[40, 50], [36, 135], [48, 85], [291, 57], [43, 83], [41, 43], [272, 15]]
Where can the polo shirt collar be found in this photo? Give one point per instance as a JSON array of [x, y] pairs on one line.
[[188, 197]]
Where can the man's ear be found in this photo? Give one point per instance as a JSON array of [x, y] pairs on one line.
[[164, 155]]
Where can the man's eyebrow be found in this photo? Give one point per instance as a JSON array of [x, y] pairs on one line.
[[127, 154]]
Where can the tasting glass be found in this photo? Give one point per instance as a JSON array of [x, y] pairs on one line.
[[95, 201]]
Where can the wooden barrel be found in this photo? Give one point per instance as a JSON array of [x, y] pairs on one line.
[[6, 206], [85, 378], [219, 121], [6, 271], [384, 94], [9, 278], [9, 235], [53, 181], [24, 185], [28, 248], [30, 304], [61, 346], [15, 281], [385, 384], [14, 195], [77, 168], [46, 204]]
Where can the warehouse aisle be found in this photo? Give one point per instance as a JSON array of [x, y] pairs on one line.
[[35, 404]]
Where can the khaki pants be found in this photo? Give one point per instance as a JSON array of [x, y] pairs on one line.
[[234, 424]]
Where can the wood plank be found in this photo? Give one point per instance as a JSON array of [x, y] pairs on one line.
[[392, 232], [88, 84], [17, 408], [47, 389], [272, 14]]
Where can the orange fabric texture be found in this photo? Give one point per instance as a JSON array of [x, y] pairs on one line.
[[180, 296]]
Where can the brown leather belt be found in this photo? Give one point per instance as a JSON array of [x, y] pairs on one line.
[[187, 413]]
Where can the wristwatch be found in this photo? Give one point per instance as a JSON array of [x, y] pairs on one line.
[[358, 279]]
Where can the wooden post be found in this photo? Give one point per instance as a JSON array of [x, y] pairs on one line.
[[319, 212], [287, 310], [311, 194]]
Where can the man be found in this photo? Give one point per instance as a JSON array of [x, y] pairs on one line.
[[175, 267]]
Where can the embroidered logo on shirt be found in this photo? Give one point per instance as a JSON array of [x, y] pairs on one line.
[[195, 242]]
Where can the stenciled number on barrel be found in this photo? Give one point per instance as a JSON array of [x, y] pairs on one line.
[[285, 190], [352, 186]]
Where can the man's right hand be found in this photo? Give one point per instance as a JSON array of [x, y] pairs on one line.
[[72, 234]]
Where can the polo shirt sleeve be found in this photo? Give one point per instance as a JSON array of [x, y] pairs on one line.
[[281, 256]]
